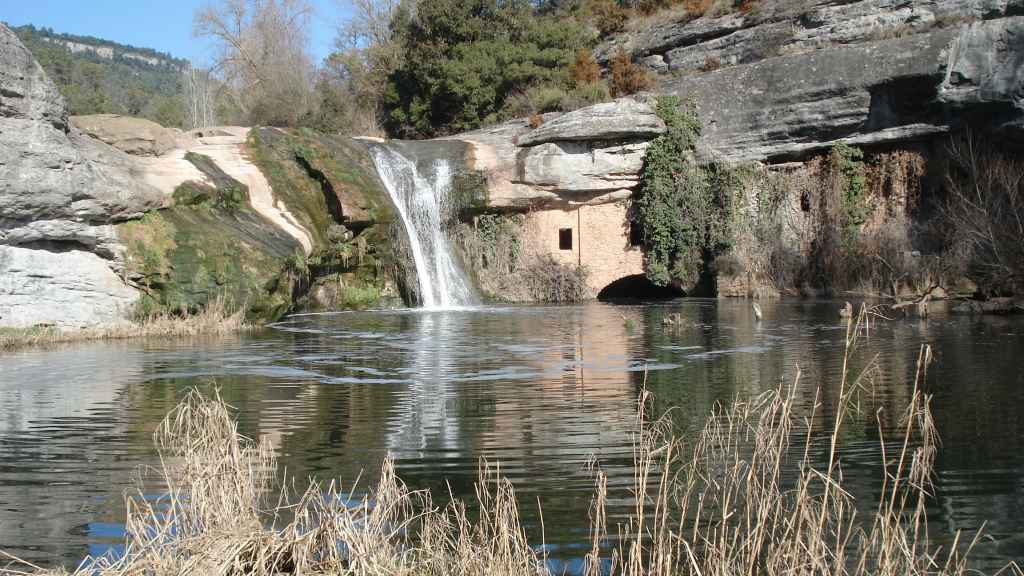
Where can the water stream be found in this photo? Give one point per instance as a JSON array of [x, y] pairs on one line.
[[422, 199]]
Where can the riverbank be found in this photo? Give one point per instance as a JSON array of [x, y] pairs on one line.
[[214, 319], [759, 489]]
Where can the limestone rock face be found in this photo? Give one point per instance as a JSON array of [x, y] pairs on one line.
[[136, 136], [589, 156], [582, 167], [986, 66], [68, 289], [47, 171], [795, 104], [622, 119], [59, 191], [792, 77]]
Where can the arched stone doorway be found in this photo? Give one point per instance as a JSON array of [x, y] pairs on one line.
[[636, 287]]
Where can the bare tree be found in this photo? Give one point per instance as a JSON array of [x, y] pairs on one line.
[[200, 95], [263, 56], [984, 213], [369, 25], [354, 76]]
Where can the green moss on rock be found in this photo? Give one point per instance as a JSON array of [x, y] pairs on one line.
[[211, 245]]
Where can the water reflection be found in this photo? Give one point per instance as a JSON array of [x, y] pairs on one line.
[[539, 389]]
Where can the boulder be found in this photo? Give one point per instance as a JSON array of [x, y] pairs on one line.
[[136, 136], [623, 119]]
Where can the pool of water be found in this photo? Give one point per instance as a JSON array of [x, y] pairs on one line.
[[539, 389]]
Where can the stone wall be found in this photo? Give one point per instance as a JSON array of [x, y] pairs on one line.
[[600, 241]]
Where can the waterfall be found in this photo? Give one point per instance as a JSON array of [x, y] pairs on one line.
[[421, 200]]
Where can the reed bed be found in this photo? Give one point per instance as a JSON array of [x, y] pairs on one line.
[[742, 498], [214, 319]]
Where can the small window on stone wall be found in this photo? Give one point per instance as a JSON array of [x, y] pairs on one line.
[[565, 239], [636, 235]]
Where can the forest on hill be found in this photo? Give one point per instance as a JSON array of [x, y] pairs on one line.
[[99, 76]]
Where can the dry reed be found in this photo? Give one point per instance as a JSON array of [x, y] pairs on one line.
[[743, 498], [214, 319]]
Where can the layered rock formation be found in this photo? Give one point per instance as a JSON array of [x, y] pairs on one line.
[[59, 194], [587, 157], [793, 77]]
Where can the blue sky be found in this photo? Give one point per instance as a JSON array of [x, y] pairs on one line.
[[165, 26]]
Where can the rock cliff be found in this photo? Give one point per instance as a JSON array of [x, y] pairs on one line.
[[60, 192], [776, 87], [586, 157], [105, 217], [791, 77], [782, 82]]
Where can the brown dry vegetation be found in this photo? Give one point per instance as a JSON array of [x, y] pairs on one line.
[[984, 213], [627, 77], [745, 496], [214, 319]]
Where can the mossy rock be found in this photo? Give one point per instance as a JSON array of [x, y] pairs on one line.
[[322, 179], [327, 181], [197, 251]]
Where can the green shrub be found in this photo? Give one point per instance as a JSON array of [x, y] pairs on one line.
[[850, 181], [358, 297], [586, 95], [684, 210]]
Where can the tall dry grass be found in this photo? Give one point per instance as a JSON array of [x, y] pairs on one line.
[[723, 504], [214, 319]]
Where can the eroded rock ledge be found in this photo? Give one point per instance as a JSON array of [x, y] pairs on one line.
[[788, 80], [590, 156]]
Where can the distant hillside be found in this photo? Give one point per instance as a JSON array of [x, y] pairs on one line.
[[99, 76]]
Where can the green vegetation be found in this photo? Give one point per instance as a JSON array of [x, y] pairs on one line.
[[187, 257], [326, 180], [465, 59], [226, 194], [132, 81], [684, 209], [848, 170]]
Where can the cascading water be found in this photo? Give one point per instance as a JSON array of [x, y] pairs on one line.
[[421, 201]]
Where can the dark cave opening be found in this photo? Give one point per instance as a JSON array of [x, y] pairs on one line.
[[637, 287]]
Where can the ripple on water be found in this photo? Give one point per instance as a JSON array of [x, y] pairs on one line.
[[539, 389]]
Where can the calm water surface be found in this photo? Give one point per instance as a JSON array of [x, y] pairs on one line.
[[538, 389]]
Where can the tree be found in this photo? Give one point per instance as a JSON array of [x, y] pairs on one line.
[[199, 98], [263, 56], [351, 82], [464, 58], [983, 214]]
